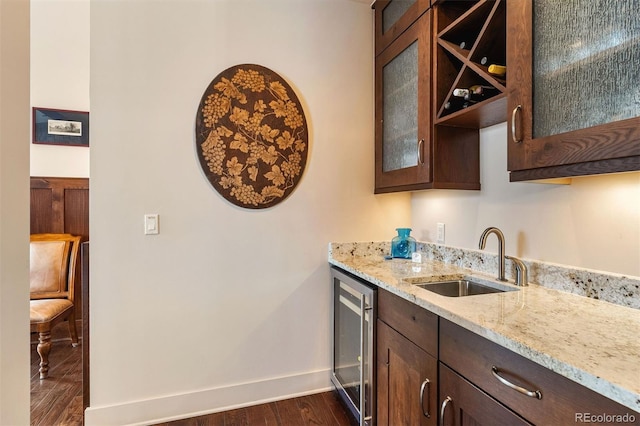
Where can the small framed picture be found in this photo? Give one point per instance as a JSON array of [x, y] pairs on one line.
[[60, 127]]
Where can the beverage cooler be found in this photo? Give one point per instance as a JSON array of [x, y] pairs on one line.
[[354, 316]]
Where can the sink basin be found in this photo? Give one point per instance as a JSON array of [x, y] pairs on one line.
[[459, 288]]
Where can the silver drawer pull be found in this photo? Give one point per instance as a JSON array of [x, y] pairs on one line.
[[446, 402], [532, 394], [425, 384]]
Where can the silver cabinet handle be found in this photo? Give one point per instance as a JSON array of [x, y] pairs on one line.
[[513, 124], [425, 384], [533, 394], [420, 154], [443, 407]]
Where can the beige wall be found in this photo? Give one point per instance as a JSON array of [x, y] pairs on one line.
[[228, 306], [14, 212], [60, 78], [593, 223], [225, 306]]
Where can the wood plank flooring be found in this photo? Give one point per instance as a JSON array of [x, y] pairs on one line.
[[317, 409], [57, 400]]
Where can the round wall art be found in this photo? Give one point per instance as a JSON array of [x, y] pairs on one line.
[[251, 136]]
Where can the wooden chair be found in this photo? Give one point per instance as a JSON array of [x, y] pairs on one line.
[[53, 259]]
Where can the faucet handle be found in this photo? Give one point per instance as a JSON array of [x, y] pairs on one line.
[[522, 278]]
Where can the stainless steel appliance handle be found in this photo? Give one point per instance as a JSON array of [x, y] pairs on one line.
[[533, 394], [446, 402], [363, 330], [367, 355], [425, 384]]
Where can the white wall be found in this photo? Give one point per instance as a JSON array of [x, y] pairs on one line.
[[226, 306], [60, 78], [14, 212], [593, 223]]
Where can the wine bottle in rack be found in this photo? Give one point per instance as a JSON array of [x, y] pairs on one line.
[[460, 92], [473, 94], [497, 70], [464, 45], [457, 103], [479, 92]]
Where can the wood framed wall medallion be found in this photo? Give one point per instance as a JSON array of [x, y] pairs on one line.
[[251, 136]]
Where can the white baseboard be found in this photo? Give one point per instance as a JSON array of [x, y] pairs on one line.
[[198, 403]]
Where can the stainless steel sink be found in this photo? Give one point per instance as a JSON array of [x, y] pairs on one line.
[[459, 288]]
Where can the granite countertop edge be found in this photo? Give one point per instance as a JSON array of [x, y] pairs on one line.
[[373, 268]]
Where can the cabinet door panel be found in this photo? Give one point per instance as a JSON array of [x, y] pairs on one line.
[[403, 108], [407, 381], [576, 123], [399, 118], [469, 406]]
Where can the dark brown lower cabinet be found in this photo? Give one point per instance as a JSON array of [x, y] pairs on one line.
[[407, 381], [532, 391], [463, 404], [432, 371]]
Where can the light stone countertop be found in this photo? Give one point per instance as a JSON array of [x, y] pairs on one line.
[[589, 341]]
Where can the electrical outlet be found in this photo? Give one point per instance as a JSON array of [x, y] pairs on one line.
[[440, 237]]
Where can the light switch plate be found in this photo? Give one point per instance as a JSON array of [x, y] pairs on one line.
[[151, 224]]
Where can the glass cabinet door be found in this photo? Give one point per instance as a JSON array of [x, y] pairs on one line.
[[403, 108], [586, 64], [575, 107], [399, 115], [347, 340]]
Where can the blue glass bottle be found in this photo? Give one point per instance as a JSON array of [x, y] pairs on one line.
[[402, 245]]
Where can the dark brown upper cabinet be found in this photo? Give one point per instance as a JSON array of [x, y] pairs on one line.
[[403, 109], [574, 102], [425, 136]]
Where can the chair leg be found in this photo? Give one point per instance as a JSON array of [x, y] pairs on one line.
[[44, 346], [72, 329]]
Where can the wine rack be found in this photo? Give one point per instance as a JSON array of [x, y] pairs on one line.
[[469, 37]]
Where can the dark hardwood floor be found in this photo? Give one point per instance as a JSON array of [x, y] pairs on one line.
[[317, 409], [57, 400]]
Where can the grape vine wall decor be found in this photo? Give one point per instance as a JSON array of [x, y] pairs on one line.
[[251, 136]]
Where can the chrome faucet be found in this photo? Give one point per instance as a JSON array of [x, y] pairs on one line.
[[522, 278], [483, 242]]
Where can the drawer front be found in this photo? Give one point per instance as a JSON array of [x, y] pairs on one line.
[[562, 400], [413, 322]]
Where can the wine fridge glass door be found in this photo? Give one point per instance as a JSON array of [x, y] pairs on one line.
[[347, 348], [353, 346]]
